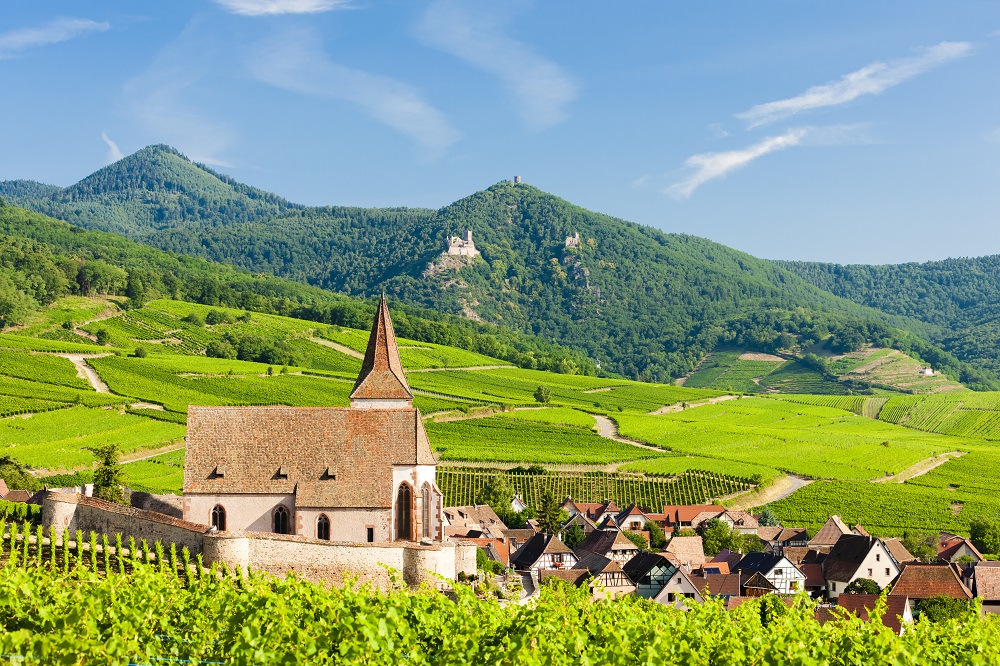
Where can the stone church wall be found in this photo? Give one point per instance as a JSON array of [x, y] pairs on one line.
[[313, 560]]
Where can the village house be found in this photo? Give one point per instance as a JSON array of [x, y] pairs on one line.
[[678, 588], [649, 572], [741, 521], [923, 581], [777, 539], [478, 520], [784, 576], [359, 474], [608, 543], [954, 548], [687, 551], [898, 551], [829, 534], [854, 557], [543, 551], [986, 585], [581, 521], [608, 579], [898, 614], [723, 586], [681, 515]]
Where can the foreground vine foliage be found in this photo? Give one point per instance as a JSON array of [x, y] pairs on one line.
[[75, 615]]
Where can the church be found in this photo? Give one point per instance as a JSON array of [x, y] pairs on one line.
[[360, 474]]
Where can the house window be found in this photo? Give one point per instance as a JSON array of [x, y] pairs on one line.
[[323, 527], [878, 557], [670, 596], [869, 573], [833, 587], [777, 572], [371, 535], [887, 571], [678, 580], [219, 518], [403, 516], [646, 580], [426, 497], [281, 520]]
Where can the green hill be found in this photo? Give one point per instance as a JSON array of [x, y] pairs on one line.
[[642, 303]]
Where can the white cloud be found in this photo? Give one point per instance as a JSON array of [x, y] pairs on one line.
[[58, 30], [276, 7], [542, 89], [708, 166], [161, 98], [114, 153], [869, 80], [296, 62]]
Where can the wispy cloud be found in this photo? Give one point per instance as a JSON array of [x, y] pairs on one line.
[[161, 98], [58, 30], [276, 7], [475, 33], [114, 153], [708, 166], [296, 61], [869, 80]]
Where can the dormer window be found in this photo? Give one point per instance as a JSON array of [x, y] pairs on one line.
[[282, 472], [220, 470], [329, 474]]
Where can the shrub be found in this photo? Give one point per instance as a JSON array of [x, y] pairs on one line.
[[102, 336], [194, 318], [216, 317], [140, 352]]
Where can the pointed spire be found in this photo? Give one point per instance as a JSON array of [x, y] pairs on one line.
[[381, 376]]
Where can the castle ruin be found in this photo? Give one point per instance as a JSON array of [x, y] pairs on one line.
[[462, 247]]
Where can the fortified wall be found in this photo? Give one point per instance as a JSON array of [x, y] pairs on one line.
[[311, 559]]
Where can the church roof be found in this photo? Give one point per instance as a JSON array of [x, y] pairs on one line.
[[381, 376], [327, 456]]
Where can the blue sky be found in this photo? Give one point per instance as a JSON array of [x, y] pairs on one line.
[[848, 132]]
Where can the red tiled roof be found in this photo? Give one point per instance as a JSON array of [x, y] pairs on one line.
[[686, 512], [814, 575], [922, 581], [949, 548], [687, 550], [17, 496], [381, 376], [862, 604], [830, 532], [987, 582]]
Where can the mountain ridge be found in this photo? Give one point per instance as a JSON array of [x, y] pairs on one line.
[[644, 303]]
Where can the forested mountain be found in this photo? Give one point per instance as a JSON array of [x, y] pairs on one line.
[[42, 259], [642, 303], [960, 296]]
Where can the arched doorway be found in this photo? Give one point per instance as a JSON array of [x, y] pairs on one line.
[[281, 520], [404, 516], [219, 518]]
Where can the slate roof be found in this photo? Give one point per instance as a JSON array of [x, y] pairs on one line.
[[921, 581], [757, 562], [597, 564], [986, 582], [538, 545], [603, 542], [381, 376], [898, 550], [687, 550], [830, 532], [846, 556], [642, 564], [331, 457], [862, 604]]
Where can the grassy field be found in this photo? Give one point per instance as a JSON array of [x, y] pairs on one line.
[[742, 372]]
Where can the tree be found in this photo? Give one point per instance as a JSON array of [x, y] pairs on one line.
[[548, 514], [140, 352], [985, 535], [102, 336], [863, 586], [921, 546], [767, 518], [108, 477], [716, 536], [573, 535], [657, 539], [220, 349], [943, 608], [543, 394], [636, 538]]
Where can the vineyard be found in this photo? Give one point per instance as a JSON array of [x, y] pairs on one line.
[[812, 440], [462, 486], [100, 600], [515, 439]]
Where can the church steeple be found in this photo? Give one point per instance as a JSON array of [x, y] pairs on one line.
[[381, 382]]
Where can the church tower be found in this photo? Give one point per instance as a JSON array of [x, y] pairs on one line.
[[381, 383]]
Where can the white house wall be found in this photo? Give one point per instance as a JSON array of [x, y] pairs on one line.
[[874, 566], [250, 512]]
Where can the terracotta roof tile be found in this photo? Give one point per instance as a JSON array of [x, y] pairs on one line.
[[986, 581], [334, 457], [687, 550], [862, 604], [898, 550], [921, 581], [830, 532]]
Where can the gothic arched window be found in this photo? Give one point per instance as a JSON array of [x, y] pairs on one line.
[[425, 496], [404, 497], [219, 518], [323, 527], [281, 520]]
